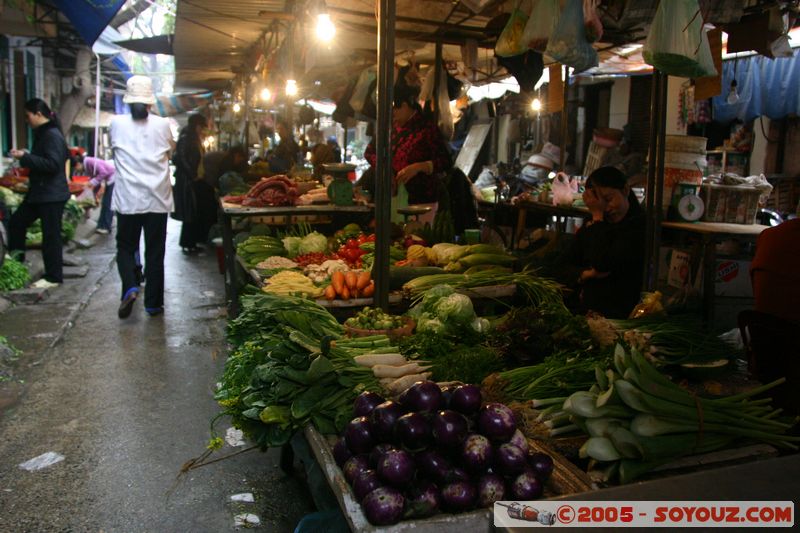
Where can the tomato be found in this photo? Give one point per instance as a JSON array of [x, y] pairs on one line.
[[371, 238], [352, 243]]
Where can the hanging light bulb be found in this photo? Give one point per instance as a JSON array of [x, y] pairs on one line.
[[733, 94], [265, 94], [236, 107], [536, 105], [326, 30], [291, 88]]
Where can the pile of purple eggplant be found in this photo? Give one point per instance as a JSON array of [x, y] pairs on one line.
[[436, 450]]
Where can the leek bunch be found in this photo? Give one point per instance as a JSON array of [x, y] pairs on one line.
[[637, 419]]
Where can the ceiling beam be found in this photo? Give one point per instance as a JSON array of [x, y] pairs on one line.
[[411, 20], [418, 36]]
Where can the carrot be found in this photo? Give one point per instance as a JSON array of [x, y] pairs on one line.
[[345, 294], [363, 280], [330, 293], [351, 279], [337, 281], [369, 290]]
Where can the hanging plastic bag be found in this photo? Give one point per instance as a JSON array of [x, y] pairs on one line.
[[541, 23], [399, 201], [592, 24], [510, 42], [564, 189], [568, 44], [361, 90], [677, 44]]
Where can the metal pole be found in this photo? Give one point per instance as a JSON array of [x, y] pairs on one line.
[[383, 129], [97, 109], [246, 135], [563, 156], [648, 283], [437, 72], [662, 133]]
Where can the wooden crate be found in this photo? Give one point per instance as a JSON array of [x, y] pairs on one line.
[[594, 158], [785, 194]]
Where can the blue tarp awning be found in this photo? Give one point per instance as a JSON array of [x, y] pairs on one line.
[[89, 17], [766, 87]]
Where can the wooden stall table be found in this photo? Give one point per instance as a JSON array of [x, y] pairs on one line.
[[711, 233], [229, 211], [561, 212]]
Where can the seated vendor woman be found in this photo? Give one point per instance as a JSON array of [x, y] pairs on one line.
[[419, 152], [609, 249]]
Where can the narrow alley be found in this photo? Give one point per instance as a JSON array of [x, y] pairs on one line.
[[127, 403]]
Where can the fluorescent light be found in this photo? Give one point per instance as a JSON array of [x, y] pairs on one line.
[[236, 107], [536, 104], [326, 30], [291, 88], [265, 94]]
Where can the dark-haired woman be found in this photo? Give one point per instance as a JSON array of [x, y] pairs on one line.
[[47, 189], [418, 150], [609, 249], [190, 186]]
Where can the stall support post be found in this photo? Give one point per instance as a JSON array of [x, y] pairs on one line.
[[648, 283], [383, 129], [437, 70], [246, 136], [564, 118], [659, 196], [232, 289]]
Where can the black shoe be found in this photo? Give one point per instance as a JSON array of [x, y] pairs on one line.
[[154, 311], [126, 306]]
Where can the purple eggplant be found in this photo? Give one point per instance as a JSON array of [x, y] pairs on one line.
[[466, 399], [340, 452], [382, 420], [422, 500], [476, 453], [447, 393], [357, 435], [496, 421], [509, 460], [422, 396], [433, 465], [397, 468], [449, 428], [456, 474], [519, 440], [366, 402], [355, 466], [491, 488], [377, 452], [412, 431], [541, 463], [526, 486], [459, 496], [383, 506], [365, 482]]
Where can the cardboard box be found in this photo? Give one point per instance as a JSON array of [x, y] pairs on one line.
[[733, 279]]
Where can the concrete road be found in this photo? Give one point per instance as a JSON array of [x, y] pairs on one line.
[[127, 402]]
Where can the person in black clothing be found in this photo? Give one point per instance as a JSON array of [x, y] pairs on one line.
[[609, 249], [47, 188], [194, 197]]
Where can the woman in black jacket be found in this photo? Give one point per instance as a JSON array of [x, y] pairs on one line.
[[609, 249], [47, 188], [191, 189]]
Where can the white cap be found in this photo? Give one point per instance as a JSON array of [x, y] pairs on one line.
[[139, 91], [547, 158]]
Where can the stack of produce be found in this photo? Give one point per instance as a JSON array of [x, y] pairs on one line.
[[291, 366], [395, 372], [13, 275], [288, 282], [350, 284], [436, 449], [73, 214], [273, 191], [637, 419], [319, 272], [444, 311], [258, 248], [306, 243]]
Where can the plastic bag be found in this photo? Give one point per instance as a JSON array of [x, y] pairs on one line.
[[592, 24], [361, 89], [677, 44], [564, 189], [510, 42], [568, 44], [541, 23]]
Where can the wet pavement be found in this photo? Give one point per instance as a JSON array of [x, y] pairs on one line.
[[127, 403]]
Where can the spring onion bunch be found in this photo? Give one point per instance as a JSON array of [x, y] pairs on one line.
[[637, 419]]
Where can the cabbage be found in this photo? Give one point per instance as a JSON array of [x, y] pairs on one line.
[[292, 245], [430, 299], [314, 242], [481, 325], [455, 309], [427, 323]]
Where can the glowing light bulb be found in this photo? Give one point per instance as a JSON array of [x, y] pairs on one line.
[[291, 88], [236, 107], [265, 94], [326, 30], [536, 104]]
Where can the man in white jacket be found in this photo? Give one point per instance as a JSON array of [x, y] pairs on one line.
[[142, 145]]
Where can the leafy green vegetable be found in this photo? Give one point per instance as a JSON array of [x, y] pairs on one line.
[[314, 242], [13, 275], [292, 245]]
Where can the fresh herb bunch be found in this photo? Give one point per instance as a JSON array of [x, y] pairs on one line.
[[13, 275]]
